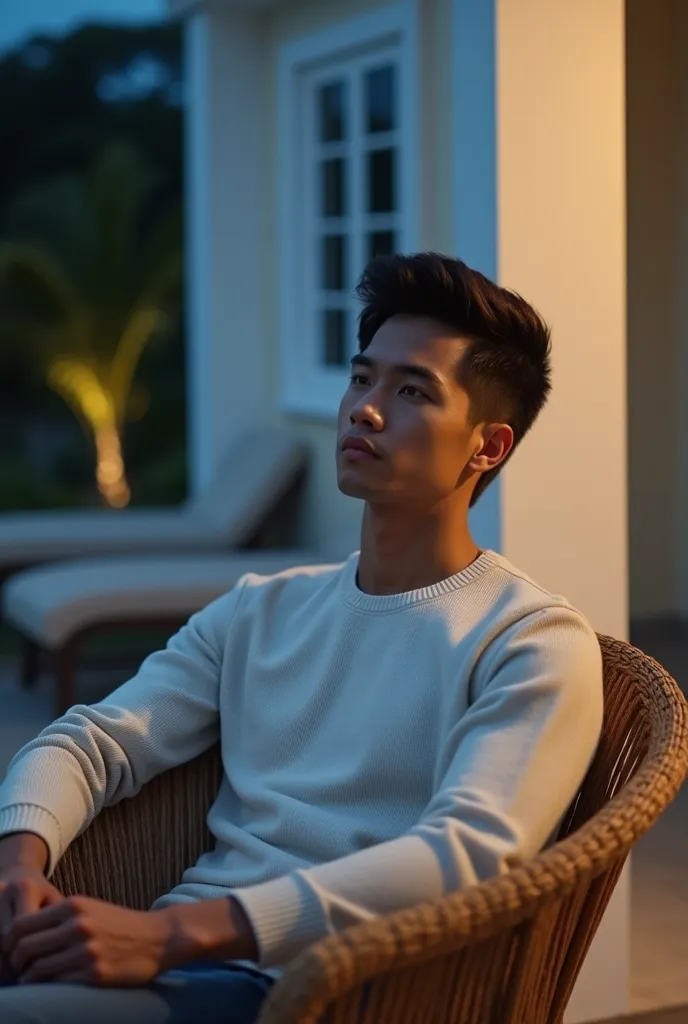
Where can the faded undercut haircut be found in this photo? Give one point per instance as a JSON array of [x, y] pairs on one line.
[[506, 369]]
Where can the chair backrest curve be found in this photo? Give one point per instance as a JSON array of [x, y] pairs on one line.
[[513, 946]]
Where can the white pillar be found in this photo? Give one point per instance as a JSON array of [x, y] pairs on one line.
[[561, 243], [475, 183], [225, 189]]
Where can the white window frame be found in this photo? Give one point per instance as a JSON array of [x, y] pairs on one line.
[[308, 388]]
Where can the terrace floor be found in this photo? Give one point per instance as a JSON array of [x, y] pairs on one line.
[[659, 864]]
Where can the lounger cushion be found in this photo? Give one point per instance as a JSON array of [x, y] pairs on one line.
[[250, 481], [51, 603], [29, 537]]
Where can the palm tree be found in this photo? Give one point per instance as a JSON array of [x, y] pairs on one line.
[[111, 282]]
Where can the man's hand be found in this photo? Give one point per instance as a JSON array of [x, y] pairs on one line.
[[23, 890], [90, 942]]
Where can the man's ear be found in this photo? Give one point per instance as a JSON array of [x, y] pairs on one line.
[[495, 443]]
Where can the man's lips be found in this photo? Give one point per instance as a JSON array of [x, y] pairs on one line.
[[358, 455], [357, 448]]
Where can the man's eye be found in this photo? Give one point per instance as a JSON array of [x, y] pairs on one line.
[[410, 387], [357, 378]]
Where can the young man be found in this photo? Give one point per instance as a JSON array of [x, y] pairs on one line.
[[393, 729]]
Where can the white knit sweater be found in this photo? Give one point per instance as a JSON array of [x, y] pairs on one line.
[[378, 751]]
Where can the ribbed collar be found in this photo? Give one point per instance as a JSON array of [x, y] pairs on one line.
[[372, 603]]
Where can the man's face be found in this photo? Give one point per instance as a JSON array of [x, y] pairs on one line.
[[419, 427]]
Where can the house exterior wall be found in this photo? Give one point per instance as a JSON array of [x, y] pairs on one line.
[[655, 133], [657, 38], [561, 174], [657, 262], [562, 243], [233, 177], [680, 304], [227, 361], [550, 142], [327, 512]]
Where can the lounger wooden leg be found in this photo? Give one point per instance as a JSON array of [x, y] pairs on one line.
[[30, 663], [65, 670]]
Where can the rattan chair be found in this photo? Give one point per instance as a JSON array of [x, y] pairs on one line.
[[507, 951]]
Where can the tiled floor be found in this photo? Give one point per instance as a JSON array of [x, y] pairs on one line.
[[659, 865], [675, 1015]]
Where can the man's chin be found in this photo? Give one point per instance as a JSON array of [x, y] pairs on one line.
[[351, 487]]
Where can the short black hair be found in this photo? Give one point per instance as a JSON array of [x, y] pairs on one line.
[[506, 369]]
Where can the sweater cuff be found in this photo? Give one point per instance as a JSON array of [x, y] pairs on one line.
[[39, 821], [286, 918]]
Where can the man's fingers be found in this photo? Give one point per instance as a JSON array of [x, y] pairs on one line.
[[6, 909], [14, 927], [62, 965], [6, 972], [39, 920], [6, 900], [18, 900], [50, 897], [6, 917], [41, 944], [21, 898], [26, 898]]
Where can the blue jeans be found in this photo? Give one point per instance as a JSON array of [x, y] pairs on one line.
[[198, 993]]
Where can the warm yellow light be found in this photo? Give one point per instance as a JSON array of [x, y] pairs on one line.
[[80, 385]]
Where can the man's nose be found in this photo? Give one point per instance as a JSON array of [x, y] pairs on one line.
[[366, 415]]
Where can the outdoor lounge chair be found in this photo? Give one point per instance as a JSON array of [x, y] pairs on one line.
[[159, 568], [56, 607], [507, 951], [260, 472]]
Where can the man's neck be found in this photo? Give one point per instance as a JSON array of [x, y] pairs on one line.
[[402, 554]]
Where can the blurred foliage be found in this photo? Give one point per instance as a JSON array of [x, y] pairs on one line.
[[91, 203], [88, 291], [22, 488]]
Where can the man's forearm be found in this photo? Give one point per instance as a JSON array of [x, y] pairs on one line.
[[208, 929], [23, 849]]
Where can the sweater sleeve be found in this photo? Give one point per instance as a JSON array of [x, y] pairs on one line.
[[95, 755], [509, 768]]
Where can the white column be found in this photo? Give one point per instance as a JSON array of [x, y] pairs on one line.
[[225, 190], [562, 244], [475, 183], [539, 171]]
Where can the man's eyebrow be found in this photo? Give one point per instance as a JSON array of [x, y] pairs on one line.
[[402, 370]]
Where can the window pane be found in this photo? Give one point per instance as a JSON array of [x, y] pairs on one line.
[[381, 181], [333, 263], [381, 243], [332, 117], [334, 337], [333, 188], [380, 95]]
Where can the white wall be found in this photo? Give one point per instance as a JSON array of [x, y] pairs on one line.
[[473, 197], [561, 232], [227, 180], [327, 512], [562, 244], [554, 215]]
